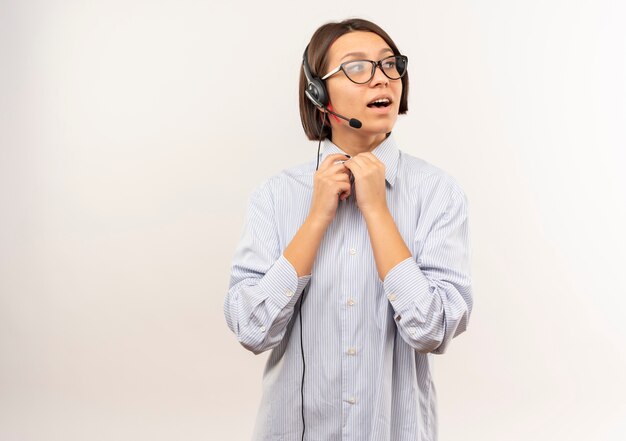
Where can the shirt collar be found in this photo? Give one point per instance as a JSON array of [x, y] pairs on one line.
[[386, 152]]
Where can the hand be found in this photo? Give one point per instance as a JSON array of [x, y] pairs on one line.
[[369, 182], [330, 183]]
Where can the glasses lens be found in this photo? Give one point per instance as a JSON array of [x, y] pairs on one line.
[[358, 71], [394, 67]]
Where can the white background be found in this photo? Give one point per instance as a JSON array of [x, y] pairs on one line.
[[131, 136]]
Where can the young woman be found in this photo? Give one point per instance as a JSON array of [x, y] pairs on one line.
[[354, 268]]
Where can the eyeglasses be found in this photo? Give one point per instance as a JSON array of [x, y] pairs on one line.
[[362, 71]]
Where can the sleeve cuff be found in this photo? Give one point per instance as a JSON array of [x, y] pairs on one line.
[[282, 284], [406, 285]]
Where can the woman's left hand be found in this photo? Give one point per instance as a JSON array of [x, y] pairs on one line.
[[369, 182]]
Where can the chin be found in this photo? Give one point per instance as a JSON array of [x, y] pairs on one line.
[[378, 127]]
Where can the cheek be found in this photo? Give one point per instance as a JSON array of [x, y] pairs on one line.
[[398, 91], [343, 96]]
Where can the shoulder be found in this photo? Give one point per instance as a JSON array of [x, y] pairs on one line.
[[425, 177], [297, 178]]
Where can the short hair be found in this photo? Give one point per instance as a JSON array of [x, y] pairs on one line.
[[317, 53]]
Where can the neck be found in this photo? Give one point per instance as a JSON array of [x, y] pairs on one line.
[[354, 143]]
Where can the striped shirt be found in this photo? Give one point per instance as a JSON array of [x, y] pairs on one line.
[[367, 343]]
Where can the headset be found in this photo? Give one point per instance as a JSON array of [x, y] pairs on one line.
[[315, 89], [316, 92]]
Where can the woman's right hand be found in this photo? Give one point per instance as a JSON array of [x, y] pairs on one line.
[[331, 183]]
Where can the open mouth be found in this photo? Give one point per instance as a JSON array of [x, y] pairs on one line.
[[381, 102]]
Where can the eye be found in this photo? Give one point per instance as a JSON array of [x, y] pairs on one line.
[[354, 67]]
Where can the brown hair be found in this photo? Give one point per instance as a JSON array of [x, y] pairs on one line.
[[317, 52]]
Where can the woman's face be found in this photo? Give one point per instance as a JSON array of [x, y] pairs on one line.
[[351, 99]]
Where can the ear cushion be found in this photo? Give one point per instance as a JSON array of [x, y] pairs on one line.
[[315, 90], [318, 92]]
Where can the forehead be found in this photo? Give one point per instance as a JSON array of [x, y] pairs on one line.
[[368, 44]]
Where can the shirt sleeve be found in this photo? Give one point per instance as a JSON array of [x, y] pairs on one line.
[[264, 285], [432, 296]]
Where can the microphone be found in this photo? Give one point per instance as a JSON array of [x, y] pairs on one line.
[[354, 123]]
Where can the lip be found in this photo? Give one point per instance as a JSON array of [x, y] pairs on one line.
[[381, 109]]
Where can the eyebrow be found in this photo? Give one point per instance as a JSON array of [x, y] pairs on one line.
[[362, 54]]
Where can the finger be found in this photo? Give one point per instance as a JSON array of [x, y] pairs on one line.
[[362, 160], [345, 170], [369, 157], [355, 164], [334, 169], [374, 161], [330, 159], [342, 177], [343, 191]]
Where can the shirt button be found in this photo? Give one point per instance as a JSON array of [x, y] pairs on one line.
[[262, 328], [352, 251], [288, 292], [350, 302], [391, 297], [351, 400], [351, 351], [413, 332]]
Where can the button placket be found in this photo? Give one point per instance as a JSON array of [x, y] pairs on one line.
[[352, 286]]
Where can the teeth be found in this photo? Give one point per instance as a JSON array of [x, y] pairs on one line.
[[381, 102]]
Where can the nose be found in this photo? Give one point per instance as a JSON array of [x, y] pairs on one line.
[[379, 77]]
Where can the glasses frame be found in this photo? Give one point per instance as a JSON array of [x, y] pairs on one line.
[[374, 65]]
